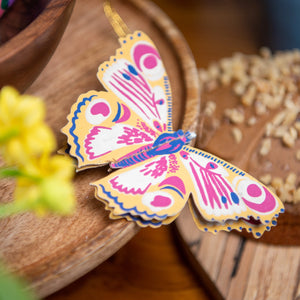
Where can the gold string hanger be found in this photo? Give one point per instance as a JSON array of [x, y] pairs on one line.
[[115, 20]]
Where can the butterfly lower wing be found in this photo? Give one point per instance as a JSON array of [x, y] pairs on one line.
[[257, 229], [226, 198], [151, 192]]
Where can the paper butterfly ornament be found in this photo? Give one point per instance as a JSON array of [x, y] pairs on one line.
[[129, 127]]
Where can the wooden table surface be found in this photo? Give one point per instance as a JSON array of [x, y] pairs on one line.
[[151, 265]]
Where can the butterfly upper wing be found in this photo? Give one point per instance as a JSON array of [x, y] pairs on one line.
[[137, 75], [97, 136], [226, 198], [104, 126], [151, 192]]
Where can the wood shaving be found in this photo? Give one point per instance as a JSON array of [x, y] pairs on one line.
[[252, 121], [298, 155], [296, 196], [265, 147], [289, 137], [237, 134], [248, 98], [286, 190], [210, 108], [266, 179], [264, 83], [235, 115]]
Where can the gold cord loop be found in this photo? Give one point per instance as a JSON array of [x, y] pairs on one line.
[[115, 20]]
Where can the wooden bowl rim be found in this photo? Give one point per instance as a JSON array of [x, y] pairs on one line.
[[52, 11]]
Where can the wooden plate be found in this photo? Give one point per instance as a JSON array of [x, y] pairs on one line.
[[52, 252], [234, 267]]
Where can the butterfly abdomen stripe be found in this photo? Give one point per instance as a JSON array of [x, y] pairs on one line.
[[132, 160]]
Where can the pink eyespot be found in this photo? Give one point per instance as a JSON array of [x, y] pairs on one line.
[[184, 154], [253, 190], [161, 201], [158, 201], [100, 108], [148, 61], [97, 111], [255, 196]]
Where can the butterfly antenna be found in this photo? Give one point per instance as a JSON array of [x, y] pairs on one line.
[[115, 20]]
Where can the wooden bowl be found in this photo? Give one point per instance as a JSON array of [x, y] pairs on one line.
[[29, 33]]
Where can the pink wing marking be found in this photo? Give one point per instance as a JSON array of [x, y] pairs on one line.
[[140, 50], [135, 88], [137, 179], [161, 201], [123, 189], [133, 136], [143, 126], [102, 140], [215, 186], [210, 179], [156, 168], [267, 205], [174, 181], [126, 114], [173, 167], [199, 184], [90, 137], [220, 189], [100, 108]]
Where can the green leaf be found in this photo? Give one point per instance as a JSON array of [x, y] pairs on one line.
[[12, 287], [9, 172]]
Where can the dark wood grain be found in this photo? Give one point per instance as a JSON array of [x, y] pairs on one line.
[[31, 34], [19, 16], [148, 267]]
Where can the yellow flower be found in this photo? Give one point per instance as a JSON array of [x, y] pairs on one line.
[[46, 186], [23, 133]]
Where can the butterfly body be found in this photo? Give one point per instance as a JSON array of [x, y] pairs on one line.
[[129, 127], [165, 143]]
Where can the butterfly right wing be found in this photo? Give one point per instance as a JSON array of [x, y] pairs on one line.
[[225, 197]]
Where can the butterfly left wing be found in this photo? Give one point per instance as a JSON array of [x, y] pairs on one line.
[[108, 125], [225, 197], [151, 192]]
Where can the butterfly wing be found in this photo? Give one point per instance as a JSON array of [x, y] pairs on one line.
[[104, 126], [151, 192], [226, 198]]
